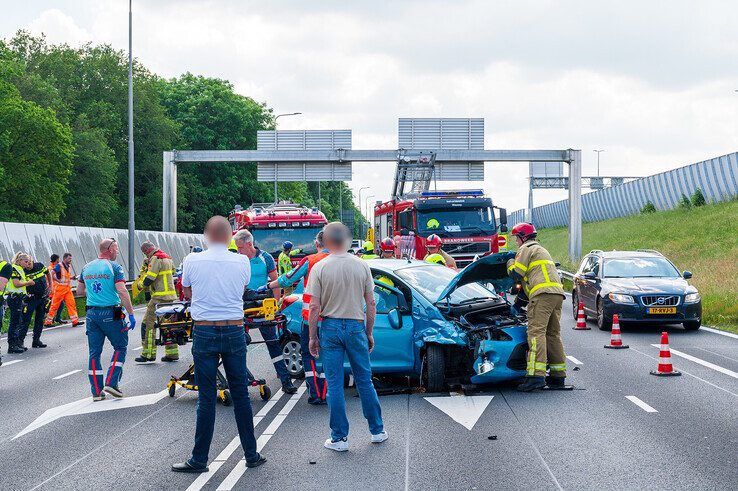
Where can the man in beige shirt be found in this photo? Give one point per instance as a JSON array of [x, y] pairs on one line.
[[339, 286]]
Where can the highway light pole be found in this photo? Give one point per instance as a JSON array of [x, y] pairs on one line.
[[361, 203], [598, 161], [276, 197], [131, 218], [367, 208]]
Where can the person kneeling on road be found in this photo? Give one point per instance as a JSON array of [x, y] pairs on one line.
[[263, 269], [103, 283], [339, 286], [534, 268]]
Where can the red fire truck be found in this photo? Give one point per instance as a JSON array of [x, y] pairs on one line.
[[465, 220], [273, 223]]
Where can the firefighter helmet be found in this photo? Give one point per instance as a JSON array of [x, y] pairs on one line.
[[387, 245], [524, 231], [368, 246], [433, 240]]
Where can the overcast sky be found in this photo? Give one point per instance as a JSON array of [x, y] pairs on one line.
[[652, 83]]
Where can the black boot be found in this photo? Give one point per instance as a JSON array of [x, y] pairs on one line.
[[556, 382], [288, 387], [532, 383], [142, 359], [38, 344], [168, 358], [15, 350]]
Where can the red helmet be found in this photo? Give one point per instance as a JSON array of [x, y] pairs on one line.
[[524, 230], [433, 241], [387, 245]]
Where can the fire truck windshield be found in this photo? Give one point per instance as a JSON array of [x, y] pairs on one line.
[[466, 221], [271, 239]]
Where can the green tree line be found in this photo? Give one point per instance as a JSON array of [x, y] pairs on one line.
[[64, 143]]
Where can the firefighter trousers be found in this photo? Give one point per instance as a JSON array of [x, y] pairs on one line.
[[545, 348], [148, 328], [62, 293]]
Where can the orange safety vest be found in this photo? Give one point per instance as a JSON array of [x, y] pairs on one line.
[[312, 259], [53, 275], [66, 278]]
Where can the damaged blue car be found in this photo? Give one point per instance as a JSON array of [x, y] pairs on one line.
[[438, 326]]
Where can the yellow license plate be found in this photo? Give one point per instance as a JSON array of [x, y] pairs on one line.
[[662, 310]]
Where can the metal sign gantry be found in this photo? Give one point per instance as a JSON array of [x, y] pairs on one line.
[[572, 157]]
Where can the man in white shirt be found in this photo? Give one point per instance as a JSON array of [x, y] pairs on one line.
[[214, 281]]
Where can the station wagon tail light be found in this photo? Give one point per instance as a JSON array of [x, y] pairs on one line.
[[621, 298], [692, 297]]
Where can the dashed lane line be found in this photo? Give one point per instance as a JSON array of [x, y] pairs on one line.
[[11, 362], [66, 374], [225, 454], [138, 349], [702, 362], [641, 404], [240, 469], [573, 360], [718, 331]]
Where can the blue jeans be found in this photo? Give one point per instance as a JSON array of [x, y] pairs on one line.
[[100, 325], [211, 344], [339, 337]]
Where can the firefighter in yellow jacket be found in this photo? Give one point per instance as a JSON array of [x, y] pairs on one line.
[[159, 279], [536, 271]]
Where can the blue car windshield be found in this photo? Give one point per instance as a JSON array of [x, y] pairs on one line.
[[430, 280], [639, 267]]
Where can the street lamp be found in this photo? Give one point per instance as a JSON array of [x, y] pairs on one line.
[[285, 114], [366, 202], [360, 202], [276, 198], [598, 161], [131, 217]]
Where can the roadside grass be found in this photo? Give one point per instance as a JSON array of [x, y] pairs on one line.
[[703, 240]]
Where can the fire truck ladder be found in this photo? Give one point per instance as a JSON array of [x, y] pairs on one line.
[[416, 168]]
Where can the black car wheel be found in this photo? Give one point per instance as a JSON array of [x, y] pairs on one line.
[[602, 323], [434, 365], [575, 305], [692, 325]]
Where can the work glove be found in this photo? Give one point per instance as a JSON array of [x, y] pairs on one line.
[[263, 289], [130, 323]]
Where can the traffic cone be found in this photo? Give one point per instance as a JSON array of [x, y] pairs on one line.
[[581, 322], [615, 341], [665, 368]]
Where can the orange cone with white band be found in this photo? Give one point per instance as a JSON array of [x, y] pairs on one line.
[[616, 342], [581, 321], [665, 368]]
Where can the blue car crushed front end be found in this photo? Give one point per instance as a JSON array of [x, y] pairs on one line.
[[501, 360]]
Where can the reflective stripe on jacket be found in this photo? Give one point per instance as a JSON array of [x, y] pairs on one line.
[[312, 260], [284, 263], [161, 271], [535, 268], [65, 276], [18, 274]]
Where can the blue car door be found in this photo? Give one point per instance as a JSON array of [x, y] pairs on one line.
[[393, 332]]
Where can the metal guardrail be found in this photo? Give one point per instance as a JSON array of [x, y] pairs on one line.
[[566, 275]]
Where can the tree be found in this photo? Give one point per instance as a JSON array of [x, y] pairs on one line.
[[684, 202], [698, 199], [36, 158], [648, 208]]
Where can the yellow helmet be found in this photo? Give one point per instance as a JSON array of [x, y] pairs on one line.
[[368, 246], [435, 259]]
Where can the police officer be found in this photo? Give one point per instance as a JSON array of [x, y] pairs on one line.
[[369, 250], [284, 261], [38, 296], [263, 269], [17, 294], [6, 271], [436, 254], [534, 268], [103, 283], [159, 279]]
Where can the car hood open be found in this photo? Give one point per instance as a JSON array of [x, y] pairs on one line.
[[489, 269]]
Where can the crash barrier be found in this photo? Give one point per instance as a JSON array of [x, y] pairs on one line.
[[717, 179], [41, 240]]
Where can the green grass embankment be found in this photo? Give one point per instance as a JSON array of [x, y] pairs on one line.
[[703, 240]]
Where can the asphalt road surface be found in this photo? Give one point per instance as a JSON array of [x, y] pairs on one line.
[[622, 428]]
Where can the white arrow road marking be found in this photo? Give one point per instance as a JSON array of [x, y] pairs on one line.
[[704, 363], [7, 363], [641, 404], [573, 360], [87, 405], [465, 410], [240, 469], [66, 374], [223, 456]]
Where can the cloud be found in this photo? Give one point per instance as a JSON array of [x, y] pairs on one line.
[[59, 28]]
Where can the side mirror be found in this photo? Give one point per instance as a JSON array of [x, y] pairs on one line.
[[590, 275], [395, 320], [687, 275], [557, 264]]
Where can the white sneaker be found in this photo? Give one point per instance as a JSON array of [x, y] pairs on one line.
[[99, 397], [380, 437], [339, 446]]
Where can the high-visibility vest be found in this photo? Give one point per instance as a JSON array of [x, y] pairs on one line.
[[284, 262], [66, 277], [53, 277], [2, 265], [163, 280], [11, 288], [312, 259], [369, 256]]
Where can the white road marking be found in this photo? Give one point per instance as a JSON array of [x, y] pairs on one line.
[[573, 360], [718, 331], [641, 404], [704, 363], [6, 363], [465, 410], [66, 374], [138, 349], [225, 454], [717, 354], [240, 469], [87, 405]]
